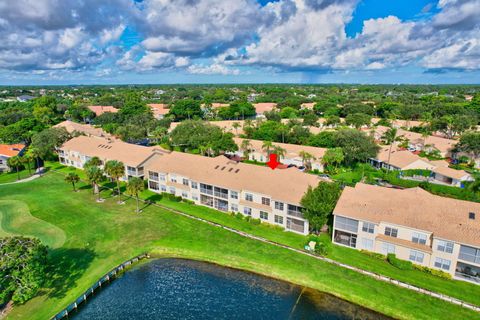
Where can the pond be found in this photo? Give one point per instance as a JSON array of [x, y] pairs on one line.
[[186, 289]]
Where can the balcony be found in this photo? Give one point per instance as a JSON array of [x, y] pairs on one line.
[[295, 213], [153, 177], [206, 191], [221, 195], [467, 272]]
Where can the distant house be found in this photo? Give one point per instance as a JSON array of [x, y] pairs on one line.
[[99, 110], [159, 110], [261, 108], [292, 153], [308, 105], [225, 125], [24, 98], [86, 129], [402, 160], [7, 151]]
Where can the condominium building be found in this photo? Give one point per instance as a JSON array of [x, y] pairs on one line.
[[7, 151], [292, 156], [429, 230], [75, 128], [79, 150], [272, 196]]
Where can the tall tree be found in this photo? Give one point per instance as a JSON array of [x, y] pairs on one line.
[[390, 137], [246, 147], [134, 187], [267, 147], [318, 204], [95, 176], [15, 162], [22, 268], [356, 145], [306, 159], [279, 151], [115, 170], [72, 178], [333, 156], [27, 161]]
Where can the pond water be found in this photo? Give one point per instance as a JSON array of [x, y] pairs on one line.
[[185, 289]]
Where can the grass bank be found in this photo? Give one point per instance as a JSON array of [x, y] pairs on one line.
[[102, 235]]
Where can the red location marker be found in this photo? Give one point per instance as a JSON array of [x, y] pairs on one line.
[[273, 163]]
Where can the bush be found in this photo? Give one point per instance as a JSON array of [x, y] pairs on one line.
[[434, 272], [375, 255], [239, 216], [416, 172], [254, 221], [323, 248], [399, 263], [188, 201]]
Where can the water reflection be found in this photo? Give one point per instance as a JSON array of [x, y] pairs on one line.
[[185, 289]]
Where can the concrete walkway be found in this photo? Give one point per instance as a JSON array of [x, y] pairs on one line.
[[339, 264], [32, 177]]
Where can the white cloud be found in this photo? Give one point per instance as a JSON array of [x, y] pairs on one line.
[[212, 69]]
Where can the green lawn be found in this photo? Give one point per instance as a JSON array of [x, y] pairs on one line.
[[101, 235], [12, 176], [458, 289]]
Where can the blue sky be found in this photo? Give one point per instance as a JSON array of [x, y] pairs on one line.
[[239, 41]]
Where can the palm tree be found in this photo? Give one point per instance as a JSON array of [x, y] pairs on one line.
[[15, 162], [235, 126], [267, 147], [390, 137], [475, 185], [115, 170], [279, 151], [37, 155], [425, 135], [95, 176], [93, 162], [27, 160], [246, 147], [306, 159], [72, 178], [134, 187]]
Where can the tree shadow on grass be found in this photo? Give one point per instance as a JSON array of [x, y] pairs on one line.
[[66, 266]]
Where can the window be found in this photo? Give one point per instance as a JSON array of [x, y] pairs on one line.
[[445, 246], [163, 188], [392, 232], [184, 194], [162, 177], [346, 224], [195, 197], [279, 205], [442, 263], [263, 215], [153, 185], [194, 185], [233, 207], [172, 190], [367, 244], [248, 197], [265, 201], [234, 194], [247, 211], [387, 248], [419, 238], [173, 178], [416, 256], [469, 254], [278, 219], [368, 227], [185, 181]]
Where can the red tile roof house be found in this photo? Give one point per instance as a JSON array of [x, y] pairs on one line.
[[263, 107], [99, 110], [7, 151], [159, 110]]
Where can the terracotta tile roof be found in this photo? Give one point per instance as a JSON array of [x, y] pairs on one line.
[[99, 110], [110, 149], [308, 105], [86, 129], [287, 185], [158, 109], [262, 107], [226, 125], [292, 150], [452, 173], [446, 218], [402, 159], [11, 150], [404, 243]]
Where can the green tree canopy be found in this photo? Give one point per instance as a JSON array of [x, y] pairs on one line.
[[186, 109], [357, 146], [319, 202], [22, 268]]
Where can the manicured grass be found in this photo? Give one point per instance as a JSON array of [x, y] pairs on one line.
[[12, 176], [15, 219], [101, 235], [458, 289]]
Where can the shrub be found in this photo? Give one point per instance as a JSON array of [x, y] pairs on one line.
[[434, 272], [254, 221], [399, 263], [323, 248], [248, 218], [375, 255], [188, 201], [239, 216]]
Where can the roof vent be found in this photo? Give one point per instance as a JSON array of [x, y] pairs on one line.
[[230, 170], [216, 167], [471, 215], [223, 168], [236, 171]]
